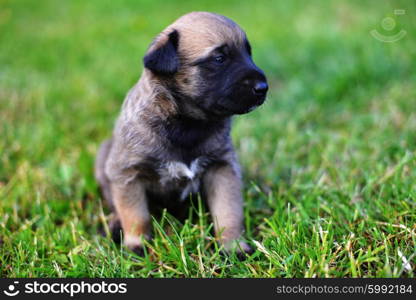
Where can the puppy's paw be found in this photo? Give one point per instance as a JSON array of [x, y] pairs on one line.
[[135, 244], [138, 250], [239, 247], [115, 229]]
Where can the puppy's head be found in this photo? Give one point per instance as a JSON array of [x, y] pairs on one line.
[[205, 60]]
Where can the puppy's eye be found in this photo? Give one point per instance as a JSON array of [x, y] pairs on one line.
[[219, 59]]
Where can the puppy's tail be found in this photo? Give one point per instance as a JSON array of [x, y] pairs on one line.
[[100, 175]]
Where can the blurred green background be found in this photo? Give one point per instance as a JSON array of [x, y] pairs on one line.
[[328, 160]]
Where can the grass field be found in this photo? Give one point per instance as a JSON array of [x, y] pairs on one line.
[[329, 161]]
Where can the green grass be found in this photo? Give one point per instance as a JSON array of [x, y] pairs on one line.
[[329, 161]]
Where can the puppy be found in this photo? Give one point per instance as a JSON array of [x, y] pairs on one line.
[[172, 137]]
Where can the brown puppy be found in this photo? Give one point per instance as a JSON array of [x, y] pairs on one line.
[[172, 137]]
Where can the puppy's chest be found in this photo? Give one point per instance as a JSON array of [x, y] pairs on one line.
[[185, 178]]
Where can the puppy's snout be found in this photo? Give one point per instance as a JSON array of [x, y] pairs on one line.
[[256, 83], [260, 87]]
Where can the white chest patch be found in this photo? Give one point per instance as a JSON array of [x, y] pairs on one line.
[[178, 174]]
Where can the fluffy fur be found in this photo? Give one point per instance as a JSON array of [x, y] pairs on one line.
[[172, 137]]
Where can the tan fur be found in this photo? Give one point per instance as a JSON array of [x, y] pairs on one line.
[[201, 32], [131, 206], [222, 187], [123, 168]]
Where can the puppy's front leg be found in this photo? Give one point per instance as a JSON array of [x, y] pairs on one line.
[[131, 206], [222, 188]]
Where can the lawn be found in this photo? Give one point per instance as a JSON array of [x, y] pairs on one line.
[[329, 160]]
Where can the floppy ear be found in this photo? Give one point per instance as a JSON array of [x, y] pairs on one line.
[[164, 60]]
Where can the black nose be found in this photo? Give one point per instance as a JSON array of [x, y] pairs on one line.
[[260, 88]]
